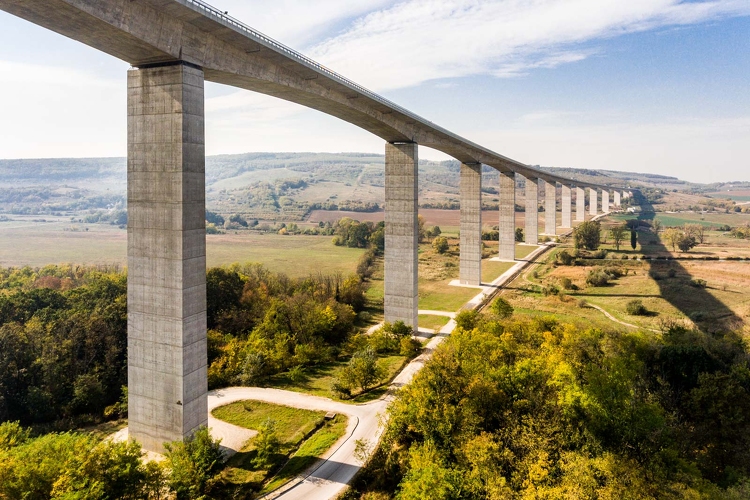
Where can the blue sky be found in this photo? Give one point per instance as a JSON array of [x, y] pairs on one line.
[[639, 85]]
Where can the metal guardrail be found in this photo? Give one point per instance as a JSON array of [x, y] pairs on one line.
[[306, 61], [298, 56]]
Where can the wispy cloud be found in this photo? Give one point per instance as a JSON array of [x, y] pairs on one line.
[[419, 40]]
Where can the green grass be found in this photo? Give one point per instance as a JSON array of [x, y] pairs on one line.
[[440, 296], [28, 243], [432, 322], [523, 251], [492, 270], [309, 452], [319, 379], [304, 435]]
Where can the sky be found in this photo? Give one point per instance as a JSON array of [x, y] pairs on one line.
[[658, 86]]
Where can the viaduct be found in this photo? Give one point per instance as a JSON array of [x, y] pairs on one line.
[[174, 46]]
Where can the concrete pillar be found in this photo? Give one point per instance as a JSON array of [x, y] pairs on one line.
[[580, 204], [605, 201], [567, 221], [167, 382], [618, 203], [470, 270], [507, 226], [550, 207], [401, 232], [593, 202], [532, 211]]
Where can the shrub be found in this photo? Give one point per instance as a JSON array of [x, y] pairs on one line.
[[193, 463], [671, 273], [519, 234], [597, 277], [564, 258], [502, 308], [698, 283], [440, 244], [566, 283], [636, 308], [409, 346], [467, 320]]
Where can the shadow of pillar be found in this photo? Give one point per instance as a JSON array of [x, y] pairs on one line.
[[707, 312]]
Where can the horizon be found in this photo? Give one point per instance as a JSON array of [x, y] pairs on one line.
[[574, 85]]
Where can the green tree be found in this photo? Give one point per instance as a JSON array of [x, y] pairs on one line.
[[502, 308], [193, 464], [618, 234], [672, 235], [633, 239], [519, 234], [685, 242], [267, 444], [440, 244], [587, 235]]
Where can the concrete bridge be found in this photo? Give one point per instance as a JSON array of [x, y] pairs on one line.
[[173, 47]]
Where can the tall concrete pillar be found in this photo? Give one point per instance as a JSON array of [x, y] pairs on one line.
[[593, 202], [401, 232], [532, 211], [550, 207], [507, 227], [580, 204], [470, 270], [618, 203], [605, 201], [167, 382], [566, 206]]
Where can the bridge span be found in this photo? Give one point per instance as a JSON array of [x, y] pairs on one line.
[[174, 46]]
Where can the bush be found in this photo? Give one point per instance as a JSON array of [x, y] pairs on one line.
[[636, 308], [566, 283], [519, 235], [440, 244], [698, 283], [564, 258], [193, 463], [467, 319], [410, 346], [502, 308], [671, 273], [597, 277]]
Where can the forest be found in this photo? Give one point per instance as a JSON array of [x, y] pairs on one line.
[[63, 335], [532, 408]]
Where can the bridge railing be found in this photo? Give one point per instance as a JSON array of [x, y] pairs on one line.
[[298, 56]]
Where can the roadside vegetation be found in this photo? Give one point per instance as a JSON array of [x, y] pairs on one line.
[[537, 408]]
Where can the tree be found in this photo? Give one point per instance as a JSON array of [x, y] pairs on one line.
[[440, 244], [696, 231], [656, 225], [502, 308], [587, 235], [363, 370], [421, 234], [266, 443], [672, 235], [519, 234], [193, 463], [618, 234], [633, 239], [685, 242]]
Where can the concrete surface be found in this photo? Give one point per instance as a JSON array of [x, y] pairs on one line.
[[470, 247], [401, 180], [566, 207], [593, 202], [167, 381], [605, 201], [550, 208], [531, 233], [507, 223], [580, 204]]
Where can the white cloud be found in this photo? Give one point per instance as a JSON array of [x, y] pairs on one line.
[[420, 40]]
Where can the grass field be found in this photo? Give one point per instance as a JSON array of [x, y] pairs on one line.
[[664, 287], [298, 449], [319, 379], [681, 218], [432, 322], [25, 242]]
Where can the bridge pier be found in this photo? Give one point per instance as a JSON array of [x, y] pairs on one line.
[[593, 202], [618, 203], [580, 204], [401, 232], [550, 207], [605, 201], [167, 381], [567, 221], [470, 270], [532, 211], [507, 226]]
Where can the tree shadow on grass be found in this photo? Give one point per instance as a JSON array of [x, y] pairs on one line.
[[706, 311]]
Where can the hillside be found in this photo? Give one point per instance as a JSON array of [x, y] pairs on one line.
[[287, 186]]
